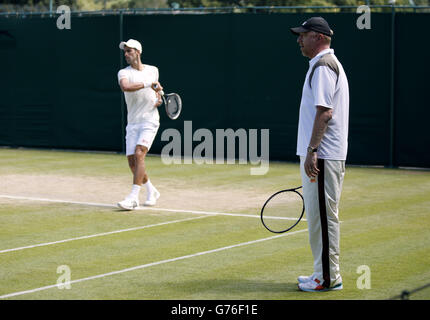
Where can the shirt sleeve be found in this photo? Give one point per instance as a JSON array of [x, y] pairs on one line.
[[122, 74], [156, 74], [324, 86]]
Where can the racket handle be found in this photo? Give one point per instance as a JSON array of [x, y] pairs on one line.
[[161, 91]]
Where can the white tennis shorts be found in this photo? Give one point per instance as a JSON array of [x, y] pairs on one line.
[[142, 134]]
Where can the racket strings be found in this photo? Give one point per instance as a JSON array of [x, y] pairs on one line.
[[173, 105], [282, 211]]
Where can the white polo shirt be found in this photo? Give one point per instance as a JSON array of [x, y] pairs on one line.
[[141, 103], [329, 90]]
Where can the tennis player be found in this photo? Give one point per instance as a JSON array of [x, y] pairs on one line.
[[140, 85], [322, 147]]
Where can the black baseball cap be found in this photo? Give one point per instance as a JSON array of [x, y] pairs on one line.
[[317, 24]]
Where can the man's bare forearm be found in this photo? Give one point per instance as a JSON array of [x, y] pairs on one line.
[[133, 86], [322, 118]]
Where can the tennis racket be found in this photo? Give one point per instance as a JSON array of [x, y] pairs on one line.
[[172, 103], [283, 210]]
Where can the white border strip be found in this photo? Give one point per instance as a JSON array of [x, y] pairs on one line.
[[101, 234], [148, 265], [144, 208]]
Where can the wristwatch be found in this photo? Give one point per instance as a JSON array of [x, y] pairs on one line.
[[312, 150]]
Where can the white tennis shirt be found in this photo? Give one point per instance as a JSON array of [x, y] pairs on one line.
[[141, 103], [329, 90]]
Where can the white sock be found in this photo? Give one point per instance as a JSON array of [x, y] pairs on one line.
[[149, 187], [135, 191]]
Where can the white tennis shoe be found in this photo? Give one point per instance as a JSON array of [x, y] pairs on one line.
[[303, 279], [152, 198], [316, 286], [128, 204]]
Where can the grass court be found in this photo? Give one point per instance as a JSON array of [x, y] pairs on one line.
[[204, 239]]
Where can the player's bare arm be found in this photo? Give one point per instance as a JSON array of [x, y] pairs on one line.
[[126, 86], [322, 118]]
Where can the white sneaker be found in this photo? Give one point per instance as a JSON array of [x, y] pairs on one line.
[[302, 279], [128, 204], [315, 286], [152, 198]]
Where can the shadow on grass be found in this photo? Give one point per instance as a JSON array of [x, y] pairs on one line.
[[233, 287]]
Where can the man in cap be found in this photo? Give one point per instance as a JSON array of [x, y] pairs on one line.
[[140, 85], [322, 147]]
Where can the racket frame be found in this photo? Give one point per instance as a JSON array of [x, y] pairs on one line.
[[178, 97], [273, 195]]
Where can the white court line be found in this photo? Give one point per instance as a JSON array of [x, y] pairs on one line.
[[100, 234], [144, 208], [116, 231], [149, 265]]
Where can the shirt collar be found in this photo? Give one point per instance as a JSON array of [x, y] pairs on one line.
[[319, 55]]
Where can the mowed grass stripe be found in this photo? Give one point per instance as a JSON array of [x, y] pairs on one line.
[[114, 166], [264, 270], [99, 234], [153, 264], [394, 245], [143, 208], [29, 224], [35, 217], [91, 256]]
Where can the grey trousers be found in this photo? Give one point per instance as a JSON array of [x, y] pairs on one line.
[[322, 213]]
